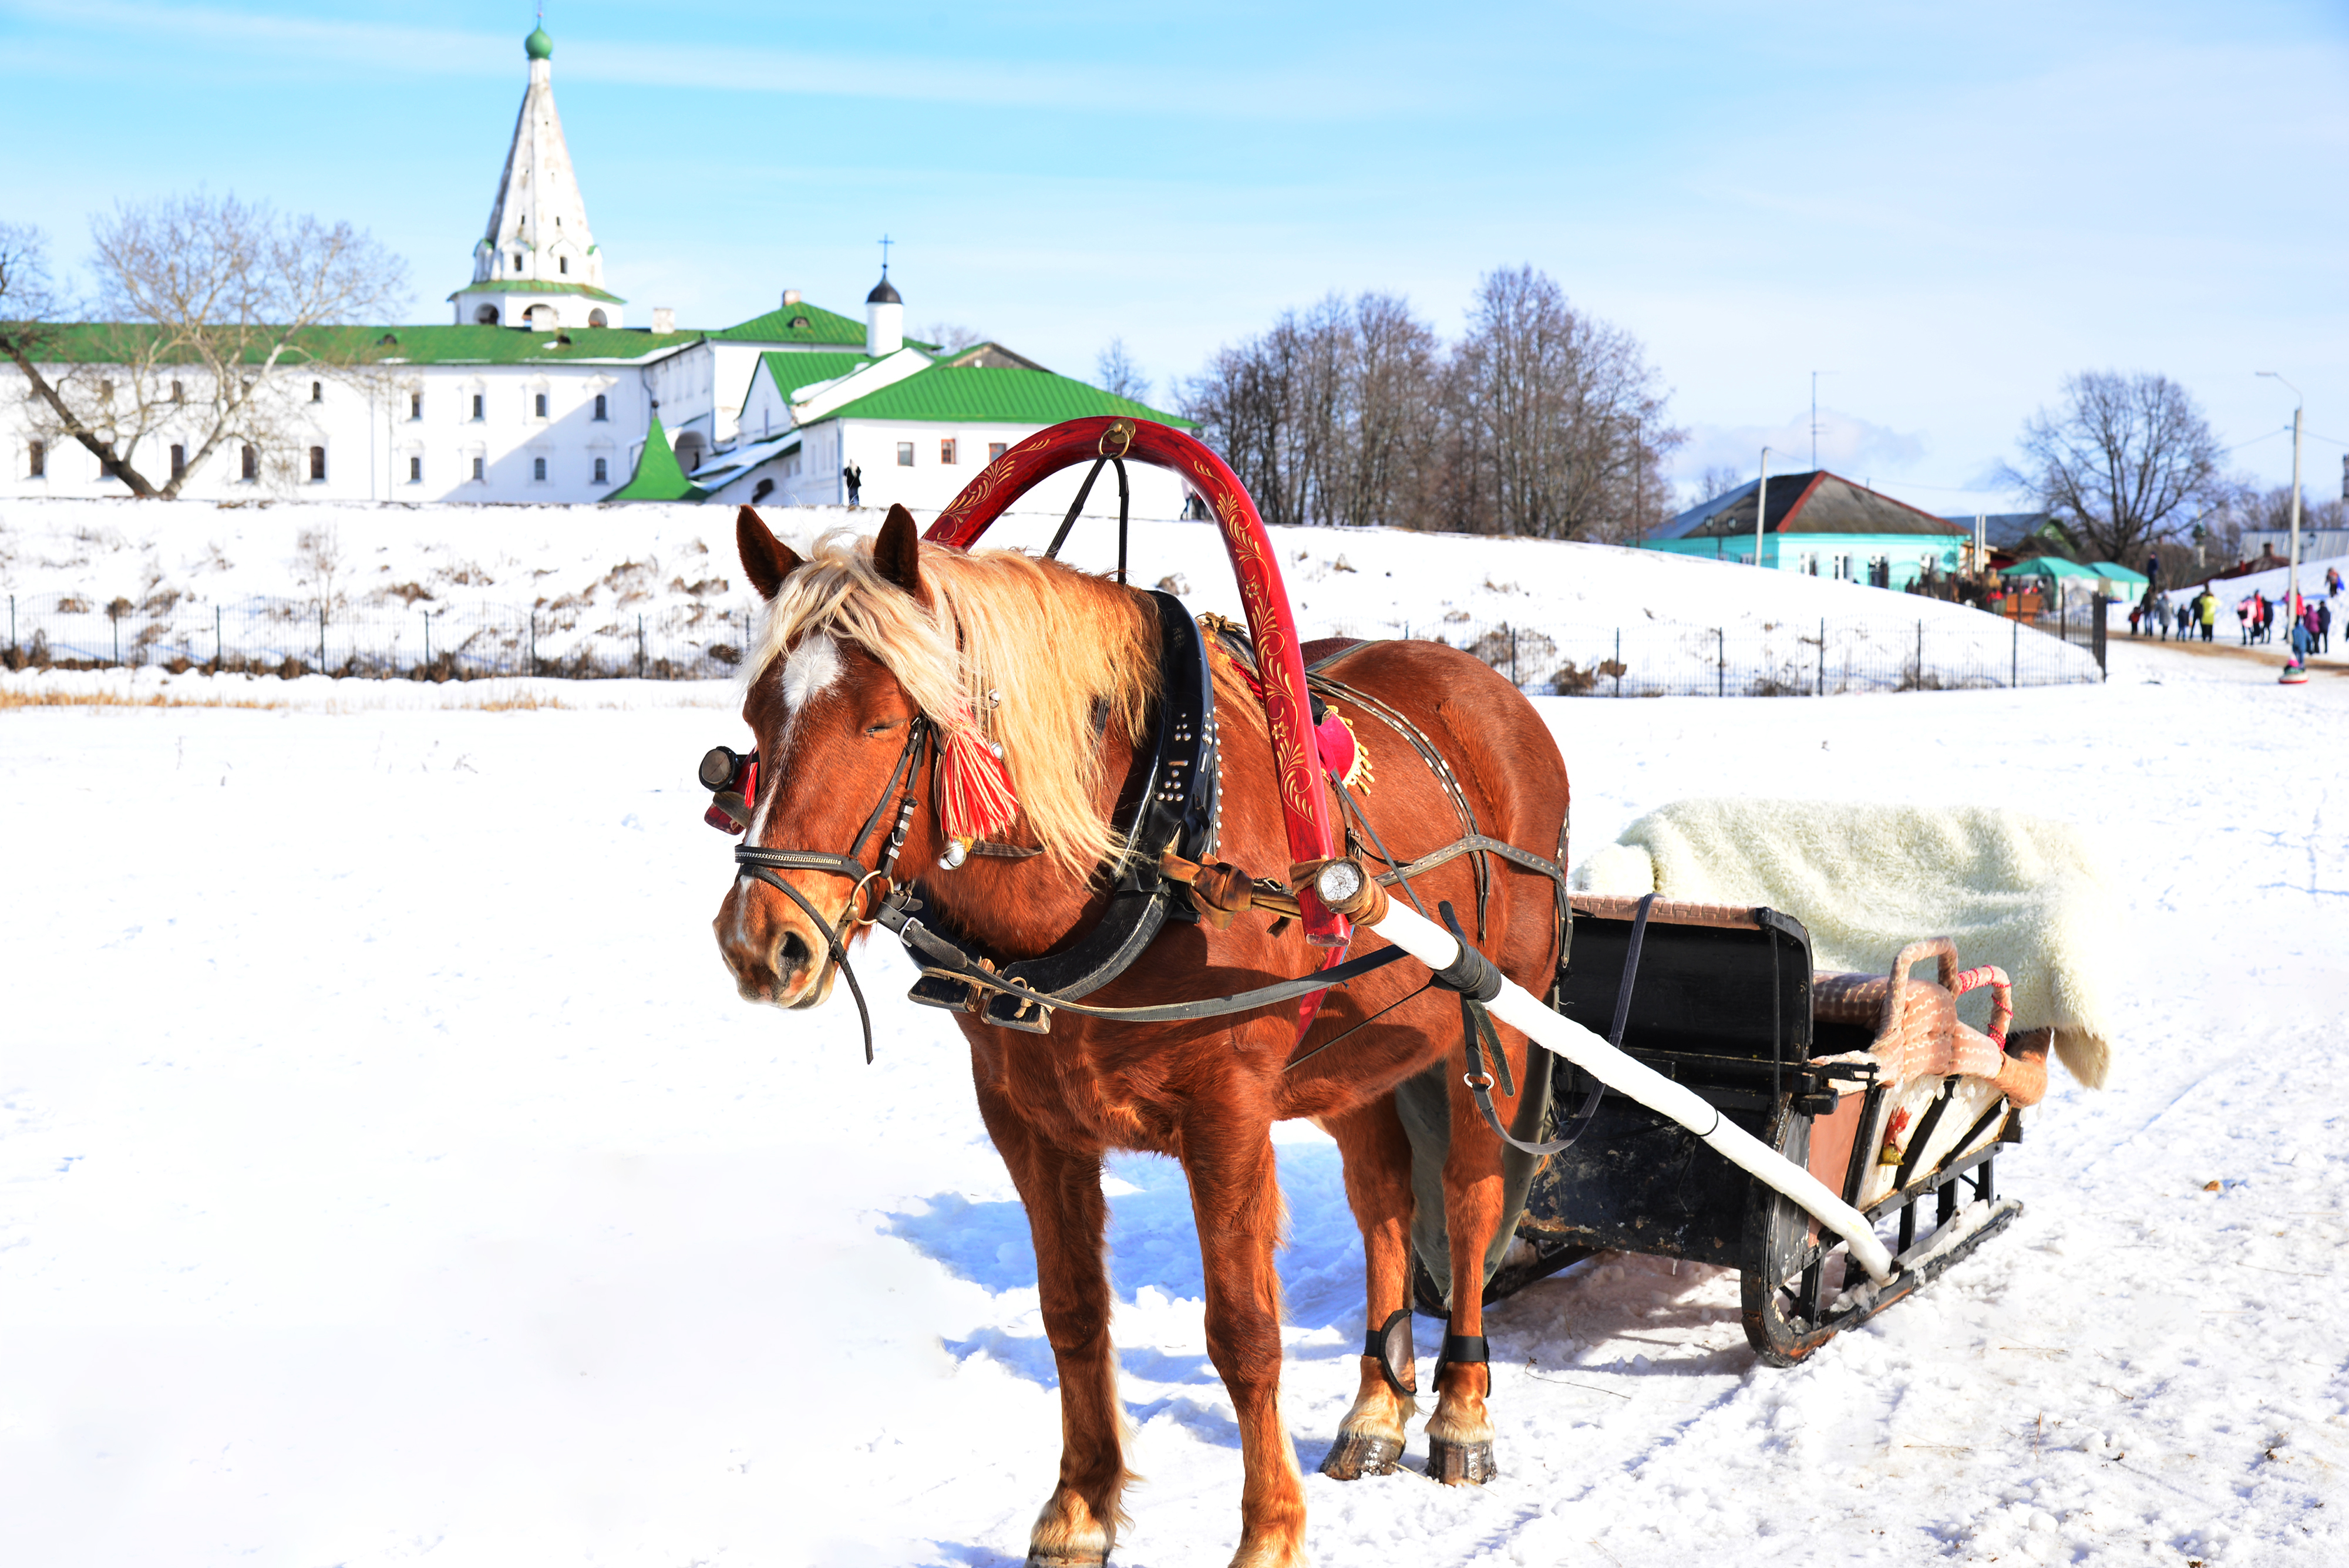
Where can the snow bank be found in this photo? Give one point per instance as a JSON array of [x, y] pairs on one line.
[[648, 587]]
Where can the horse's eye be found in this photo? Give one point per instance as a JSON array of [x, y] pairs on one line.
[[883, 726]]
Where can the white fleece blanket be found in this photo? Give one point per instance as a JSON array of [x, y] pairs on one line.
[[2028, 895]]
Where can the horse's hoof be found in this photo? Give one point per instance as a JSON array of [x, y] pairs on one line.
[[1460, 1464], [1358, 1454]]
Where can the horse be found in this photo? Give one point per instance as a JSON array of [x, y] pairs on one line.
[[1056, 672]]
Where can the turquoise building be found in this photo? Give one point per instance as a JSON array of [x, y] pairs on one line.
[[1823, 526]]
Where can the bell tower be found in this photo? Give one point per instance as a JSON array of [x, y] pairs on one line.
[[537, 264]]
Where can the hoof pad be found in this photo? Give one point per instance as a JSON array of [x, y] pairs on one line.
[[1358, 1454], [1460, 1464]]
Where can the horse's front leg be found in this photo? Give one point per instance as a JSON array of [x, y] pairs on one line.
[[1236, 1201], [1377, 1157], [1060, 1189]]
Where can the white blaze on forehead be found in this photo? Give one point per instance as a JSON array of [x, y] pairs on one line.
[[808, 671]]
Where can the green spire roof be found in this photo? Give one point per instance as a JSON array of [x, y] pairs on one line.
[[538, 46], [657, 476]]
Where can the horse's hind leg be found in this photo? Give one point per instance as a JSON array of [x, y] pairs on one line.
[[1377, 1158], [1068, 1219], [1236, 1201]]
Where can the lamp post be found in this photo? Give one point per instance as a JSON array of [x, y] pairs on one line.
[[2292, 579], [1762, 507]]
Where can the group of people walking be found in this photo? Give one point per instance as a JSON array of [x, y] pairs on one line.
[[2256, 616]]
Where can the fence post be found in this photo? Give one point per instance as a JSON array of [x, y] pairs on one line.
[[533, 640], [1513, 652], [1619, 662], [428, 640], [2015, 655], [1720, 662], [322, 636], [1921, 656], [640, 648], [2096, 630], [116, 617], [1823, 657], [219, 653]]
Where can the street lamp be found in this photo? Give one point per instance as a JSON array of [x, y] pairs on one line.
[[2292, 590], [1762, 507]]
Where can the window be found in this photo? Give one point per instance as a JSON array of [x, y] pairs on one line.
[[994, 450], [318, 391], [179, 393], [597, 318], [603, 476], [179, 459], [539, 402], [106, 391], [478, 475], [947, 451], [517, 261], [415, 405], [477, 405], [538, 469], [248, 463], [766, 488], [415, 471], [318, 465], [904, 454], [36, 459], [599, 406], [563, 265], [486, 316]]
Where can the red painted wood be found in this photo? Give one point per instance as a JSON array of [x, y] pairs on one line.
[[1304, 803]]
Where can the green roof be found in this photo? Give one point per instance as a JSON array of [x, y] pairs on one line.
[[103, 343], [782, 327], [657, 475], [976, 395], [792, 371], [538, 46], [527, 286]]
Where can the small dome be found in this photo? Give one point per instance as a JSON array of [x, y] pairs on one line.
[[884, 293], [538, 46]]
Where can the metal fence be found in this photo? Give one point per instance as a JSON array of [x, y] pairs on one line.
[[1781, 659], [1650, 658], [295, 636]]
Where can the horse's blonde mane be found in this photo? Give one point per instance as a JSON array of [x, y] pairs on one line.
[[1054, 641]]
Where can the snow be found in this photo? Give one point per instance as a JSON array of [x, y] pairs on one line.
[[587, 576], [388, 1174]]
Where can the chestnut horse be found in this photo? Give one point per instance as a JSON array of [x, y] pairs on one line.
[[1059, 669]]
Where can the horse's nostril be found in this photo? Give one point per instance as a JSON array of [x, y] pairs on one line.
[[794, 954]]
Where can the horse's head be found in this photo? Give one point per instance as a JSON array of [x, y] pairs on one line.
[[880, 668], [832, 726]]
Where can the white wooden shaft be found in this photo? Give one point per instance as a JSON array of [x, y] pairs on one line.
[[1435, 947]]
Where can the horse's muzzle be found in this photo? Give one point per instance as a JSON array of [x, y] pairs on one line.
[[776, 956]]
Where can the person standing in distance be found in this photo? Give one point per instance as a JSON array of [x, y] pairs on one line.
[[854, 477]]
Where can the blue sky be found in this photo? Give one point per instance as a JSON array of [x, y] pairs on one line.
[[1946, 207]]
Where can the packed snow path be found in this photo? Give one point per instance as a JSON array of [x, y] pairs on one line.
[[388, 1174]]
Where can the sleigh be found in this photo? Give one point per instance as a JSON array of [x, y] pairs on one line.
[[1870, 1082]]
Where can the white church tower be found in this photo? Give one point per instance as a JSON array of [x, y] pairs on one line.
[[537, 266]]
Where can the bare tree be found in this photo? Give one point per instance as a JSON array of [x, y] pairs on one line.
[[1115, 373], [950, 336], [1717, 482], [213, 317], [2122, 463]]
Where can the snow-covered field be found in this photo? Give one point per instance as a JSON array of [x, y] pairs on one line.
[[501, 580], [388, 1174]]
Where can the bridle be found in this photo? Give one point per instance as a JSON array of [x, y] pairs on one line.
[[761, 864]]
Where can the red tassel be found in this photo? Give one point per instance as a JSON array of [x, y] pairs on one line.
[[980, 799]]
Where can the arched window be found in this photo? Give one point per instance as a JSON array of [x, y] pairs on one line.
[[37, 458], [179, 459], [486, 316], [766, 488], [517, 261], [414, 470], [602, 475], [538, 402], [538, 469], [597, 318], [318, 465], [478, 475], [600, 406], [477, 405], [318, 391], [415, 405], [248, 463], [562, 265]]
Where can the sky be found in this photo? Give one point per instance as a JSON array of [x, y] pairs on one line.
[[1942, 210]]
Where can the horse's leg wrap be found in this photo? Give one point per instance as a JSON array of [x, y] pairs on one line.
[[1456, 1455]]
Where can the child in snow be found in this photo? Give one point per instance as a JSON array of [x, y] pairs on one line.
[[2247, 617]]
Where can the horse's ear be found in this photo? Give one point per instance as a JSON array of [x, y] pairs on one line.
[[766, 559], [897, 553]]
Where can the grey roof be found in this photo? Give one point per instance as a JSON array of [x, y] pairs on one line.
[[1811, 501], [884, 293]]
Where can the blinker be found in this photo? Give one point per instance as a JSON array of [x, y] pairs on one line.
[[732, 777]]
